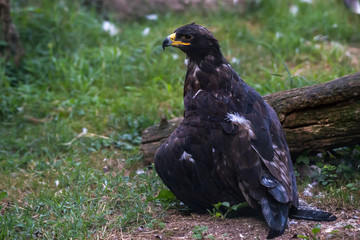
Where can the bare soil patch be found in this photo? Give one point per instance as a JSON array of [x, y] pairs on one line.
[[181, 226]]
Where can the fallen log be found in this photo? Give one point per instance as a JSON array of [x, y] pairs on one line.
[[315, 118]]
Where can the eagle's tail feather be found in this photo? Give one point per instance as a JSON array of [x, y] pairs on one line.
[[275, 233], [313, 215]]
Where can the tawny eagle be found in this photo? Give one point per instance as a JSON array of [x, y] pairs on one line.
[[230, 147]]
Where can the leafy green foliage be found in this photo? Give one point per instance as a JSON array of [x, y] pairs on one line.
[[338, 174], [342, 163]]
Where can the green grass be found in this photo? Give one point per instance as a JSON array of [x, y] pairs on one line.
[[76, 76]]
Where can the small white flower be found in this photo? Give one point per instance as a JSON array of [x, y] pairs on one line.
[[105, 159], [140, 171], [175, 56], [110, 28], [152, 17], [278, 35], [84, 130], [292, 222], [306, 1], [294, 10], [57, 182], [234, 60], [321, 38], [334, 25], [20, 109], [104, 185], [146, 31]]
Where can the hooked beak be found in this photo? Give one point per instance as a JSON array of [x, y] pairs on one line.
[[167, 42], [170, 41]]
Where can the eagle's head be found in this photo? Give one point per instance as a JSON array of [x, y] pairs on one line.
[[195, 40]]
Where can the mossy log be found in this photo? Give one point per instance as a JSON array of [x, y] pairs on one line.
[[315, 118]]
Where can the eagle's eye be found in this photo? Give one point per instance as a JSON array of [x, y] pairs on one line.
[[187, 37]]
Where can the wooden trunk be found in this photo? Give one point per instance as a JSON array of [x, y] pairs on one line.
[[9, 34], [315, 118]]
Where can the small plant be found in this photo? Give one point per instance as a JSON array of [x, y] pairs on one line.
[[303, 159], [156, 224], [314, 233], [222, 209], [165, 196], [199, 232], [328, 174], [3, 195], [167, 200]]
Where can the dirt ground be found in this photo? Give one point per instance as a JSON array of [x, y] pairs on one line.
[[181, 226]]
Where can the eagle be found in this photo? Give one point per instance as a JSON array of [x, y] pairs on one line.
[[230, 147]]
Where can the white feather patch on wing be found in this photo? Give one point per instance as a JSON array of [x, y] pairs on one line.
[[187, 156], [241, 121], [186, 61], [197, 69], [197, 93]]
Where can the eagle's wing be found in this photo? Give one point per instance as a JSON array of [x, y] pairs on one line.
[[263, 163], [185, 163], [176, 166]]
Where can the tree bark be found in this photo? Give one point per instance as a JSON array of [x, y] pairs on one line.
[[315, 118], [11, 45]]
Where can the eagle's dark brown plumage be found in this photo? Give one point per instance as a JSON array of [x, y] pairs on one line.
[[230, 146]]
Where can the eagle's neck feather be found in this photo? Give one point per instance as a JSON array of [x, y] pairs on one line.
[[209, 74]]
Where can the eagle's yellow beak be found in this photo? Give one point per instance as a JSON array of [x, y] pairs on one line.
[[170, 41]]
